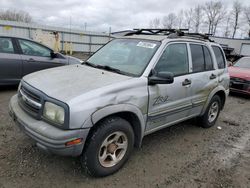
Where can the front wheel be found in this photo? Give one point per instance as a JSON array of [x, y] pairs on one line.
[[208, 119], [109, 147]]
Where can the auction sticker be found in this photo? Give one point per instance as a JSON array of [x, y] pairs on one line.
[[146, 44]]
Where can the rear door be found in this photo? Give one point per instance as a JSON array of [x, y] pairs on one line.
[[223, 77], [10, 62], [37, 57], [170, 103], [204, 76]]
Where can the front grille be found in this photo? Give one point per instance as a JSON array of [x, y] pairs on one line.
[[239, 80], [237, 86], [30, 102], [238, 83], [30, 94]]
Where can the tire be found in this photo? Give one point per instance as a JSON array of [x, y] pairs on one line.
[[108, 147], [207, 120]]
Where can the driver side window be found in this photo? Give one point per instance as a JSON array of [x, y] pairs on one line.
[[174, 59], [31, 48]]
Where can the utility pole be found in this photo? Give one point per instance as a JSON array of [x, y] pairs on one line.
[[70, 28], [85, 26], [109, 31]]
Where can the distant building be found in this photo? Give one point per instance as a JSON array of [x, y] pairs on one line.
[[234, 46]]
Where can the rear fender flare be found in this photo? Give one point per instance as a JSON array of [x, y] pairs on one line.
[[214, 91]]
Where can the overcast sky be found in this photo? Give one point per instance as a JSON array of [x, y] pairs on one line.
[[101, 14]]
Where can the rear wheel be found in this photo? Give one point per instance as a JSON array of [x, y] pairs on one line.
[[109, 147], [208, 119]]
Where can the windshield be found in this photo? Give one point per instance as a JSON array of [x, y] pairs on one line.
[[130, 56], [243, 63]]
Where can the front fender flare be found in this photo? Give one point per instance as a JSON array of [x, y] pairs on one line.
[[113, 109]]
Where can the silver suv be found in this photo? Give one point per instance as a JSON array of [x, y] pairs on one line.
[[131, 87]]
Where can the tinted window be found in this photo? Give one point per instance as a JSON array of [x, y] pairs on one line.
[[34, 49], [219, 57], [6, 45], [197, 58], [208, 59], [174, 59]]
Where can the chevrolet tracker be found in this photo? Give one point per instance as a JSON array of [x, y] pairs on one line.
[[133, 86]]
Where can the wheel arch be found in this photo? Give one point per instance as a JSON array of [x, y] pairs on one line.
[[130, 113], [217, 91], [222, 96]]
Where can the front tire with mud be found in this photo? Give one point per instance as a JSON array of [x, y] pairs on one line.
[[108, 147]]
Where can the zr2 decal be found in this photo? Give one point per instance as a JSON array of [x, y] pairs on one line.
[[160, 100]]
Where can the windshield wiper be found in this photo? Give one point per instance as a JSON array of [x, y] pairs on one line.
[[112, 69], [88, 63], [106, 67]]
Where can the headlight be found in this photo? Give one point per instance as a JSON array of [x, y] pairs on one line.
[[54, 113]]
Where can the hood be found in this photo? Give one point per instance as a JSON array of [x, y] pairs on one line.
[[73, 60], [239, 73], [66, 82]]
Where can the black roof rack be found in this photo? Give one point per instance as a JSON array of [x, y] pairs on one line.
[[172, 33], [197, 36], [154, 31]]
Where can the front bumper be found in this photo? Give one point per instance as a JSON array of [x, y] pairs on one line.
[[47, 137]]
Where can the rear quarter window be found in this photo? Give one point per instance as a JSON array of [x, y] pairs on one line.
[[6, 45], [219, 57]]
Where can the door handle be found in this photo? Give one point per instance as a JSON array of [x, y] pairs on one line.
[[213, 76], [31, 60], [186, 82]]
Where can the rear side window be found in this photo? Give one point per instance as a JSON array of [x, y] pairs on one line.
[[208, 59], [6, 45], [219, 57], [201, 58], [174, 59], [197, 58]]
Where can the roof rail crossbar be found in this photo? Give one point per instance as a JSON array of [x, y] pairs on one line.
[[154, 31], [172, 33], [199, 36]]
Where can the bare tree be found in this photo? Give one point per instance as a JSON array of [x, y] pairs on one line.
[[155, 23], [237, 9], [14, 15], [180, 19], [197, 17], [226, 33], [188, 18], [220, 17], [247, 17], [169, 21], [213, 14]]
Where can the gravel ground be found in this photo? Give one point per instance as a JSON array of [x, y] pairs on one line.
[[184, 155]]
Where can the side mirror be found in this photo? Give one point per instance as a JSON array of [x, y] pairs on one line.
[[230, 64], [161, 78], [53, 55]]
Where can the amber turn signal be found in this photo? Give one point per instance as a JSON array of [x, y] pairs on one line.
[[73, 142]]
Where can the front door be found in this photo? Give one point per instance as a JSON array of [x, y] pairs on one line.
[[37, 57], [170, 103]]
